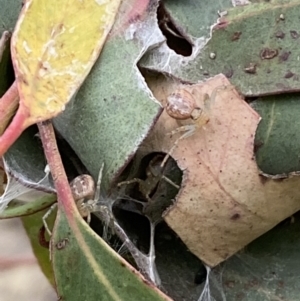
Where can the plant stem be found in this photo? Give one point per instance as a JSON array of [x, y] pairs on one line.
[[14, 130], [8, 106], [61, 184]]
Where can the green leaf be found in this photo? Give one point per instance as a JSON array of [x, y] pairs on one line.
[[195, 18], [26, 162], [277, 137], [193, 21], [255, 46], [32, 224], [18, 209], [268, 269], [114, 109], [86, 268], [25, 165], [9, 14]]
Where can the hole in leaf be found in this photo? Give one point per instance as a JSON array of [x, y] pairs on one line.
[[173, 33], [7, 71]]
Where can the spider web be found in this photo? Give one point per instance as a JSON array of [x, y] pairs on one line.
[[14, 189]]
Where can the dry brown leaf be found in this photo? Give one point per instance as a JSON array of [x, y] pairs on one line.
[[224, 203]]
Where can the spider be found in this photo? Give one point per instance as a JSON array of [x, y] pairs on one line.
[[153, 208], [154, 173], [181, 105], [85, 195]]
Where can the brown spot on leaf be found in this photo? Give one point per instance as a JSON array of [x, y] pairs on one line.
[[62, 243], [284, 56], [60, 26], [268, 54], [236, 36], [294, 34], [235, 217], [228, 73], [289, 74], [222, 24], [279, 34], [24, 80]]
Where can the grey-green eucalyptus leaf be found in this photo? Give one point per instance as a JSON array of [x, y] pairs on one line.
[[114, 109], [277, 138], [268, 269], [255, 46]]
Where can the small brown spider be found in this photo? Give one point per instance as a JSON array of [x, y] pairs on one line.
[[85, 195], [182, 105]]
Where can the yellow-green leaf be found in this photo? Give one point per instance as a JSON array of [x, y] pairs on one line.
[[54, 46]]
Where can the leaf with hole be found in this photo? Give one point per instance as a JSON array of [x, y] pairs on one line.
[[223, 194]]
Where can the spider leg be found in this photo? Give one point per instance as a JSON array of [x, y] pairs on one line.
[[134, 180], [88, 218], [153, 273], [208, 101], [98, 186], [170, 182], [46, 215], [90, 205], [188, 129]]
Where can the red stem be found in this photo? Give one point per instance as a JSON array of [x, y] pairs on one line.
[[8, 105], [14, 130], [64, 194]]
